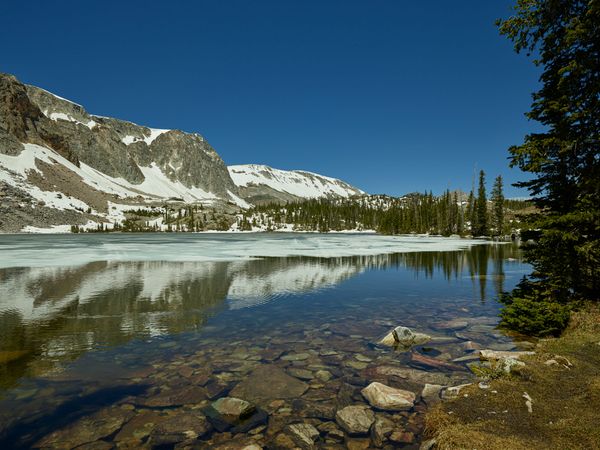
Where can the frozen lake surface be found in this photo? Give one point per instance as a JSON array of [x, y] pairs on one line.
[[58, 250]]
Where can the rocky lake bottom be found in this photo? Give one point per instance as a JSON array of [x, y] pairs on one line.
[[273, 352]]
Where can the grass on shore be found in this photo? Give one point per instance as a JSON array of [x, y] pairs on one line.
[[565, 401]]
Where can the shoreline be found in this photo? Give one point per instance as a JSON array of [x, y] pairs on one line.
[[551, 401]]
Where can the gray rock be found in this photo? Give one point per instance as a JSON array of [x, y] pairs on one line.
[[178, 428], [431, 393], [237, 415], [454, 391], [302, 374], [405, 337], [494, 355], [332, 432], [86, 430], [231, 406], [304, 435], [295, 357], [355, 419], [388, 398], [267, 383], [380, 431]]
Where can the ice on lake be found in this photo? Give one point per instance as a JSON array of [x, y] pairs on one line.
[[61, 250]]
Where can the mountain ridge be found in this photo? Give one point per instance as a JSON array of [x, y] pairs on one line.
[[61, 160]]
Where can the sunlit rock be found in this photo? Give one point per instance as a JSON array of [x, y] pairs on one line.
[[388, 398]]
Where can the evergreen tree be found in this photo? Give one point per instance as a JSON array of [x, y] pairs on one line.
[[471, 215], [563, 160], [498, 206], [481, 208]]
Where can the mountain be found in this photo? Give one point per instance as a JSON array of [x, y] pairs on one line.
[[60, 165], [261, 184]]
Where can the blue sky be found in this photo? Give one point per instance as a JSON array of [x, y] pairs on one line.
[[392, 96]]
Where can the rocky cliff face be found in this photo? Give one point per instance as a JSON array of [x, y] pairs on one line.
[[114, 147], [60, 165]]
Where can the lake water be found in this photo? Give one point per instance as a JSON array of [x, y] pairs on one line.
[[123, 340]]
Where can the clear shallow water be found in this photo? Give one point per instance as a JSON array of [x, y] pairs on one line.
[[115, 337]]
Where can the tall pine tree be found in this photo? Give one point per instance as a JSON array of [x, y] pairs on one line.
[[481, 208], [498, 207], [563, 160]]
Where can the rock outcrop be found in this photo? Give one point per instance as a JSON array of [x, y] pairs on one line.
[[114, 147]]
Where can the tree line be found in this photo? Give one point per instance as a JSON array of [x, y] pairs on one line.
[[447, 214]]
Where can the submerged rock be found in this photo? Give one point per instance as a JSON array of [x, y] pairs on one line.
[[432, 363], [175, 397], [235, 414], [332, 432], [304, 435], [86, 430], [380, 431], [405, 337], [230, 406], [296, 357], [388, 398], [302, 374], [492, 355], [408, 373], [267, 383], [453, 324], [178, 428], [355, 419]]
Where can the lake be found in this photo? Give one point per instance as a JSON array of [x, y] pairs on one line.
[[125, 340]]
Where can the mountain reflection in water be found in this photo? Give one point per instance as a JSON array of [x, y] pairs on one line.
[[52, 315]]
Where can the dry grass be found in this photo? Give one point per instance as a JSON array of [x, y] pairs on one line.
[[566, 402]]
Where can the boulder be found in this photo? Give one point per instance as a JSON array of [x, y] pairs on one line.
[[304, 435], [234, 414], [355, 419], [380, 431], [267, 383], [388, 398], [405, 337], [230, 406]]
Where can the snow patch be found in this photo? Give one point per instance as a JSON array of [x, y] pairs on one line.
[[299, 183], [154, 133], [62, 116]]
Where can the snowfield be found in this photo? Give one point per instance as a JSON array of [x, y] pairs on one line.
[[46, 251], [156, 184], [296, 182]]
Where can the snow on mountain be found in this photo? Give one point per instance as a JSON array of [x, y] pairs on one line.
[[60, 165], [297, 183], [154, 187]]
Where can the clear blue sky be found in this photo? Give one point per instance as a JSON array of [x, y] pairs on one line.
[[392, 96]]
